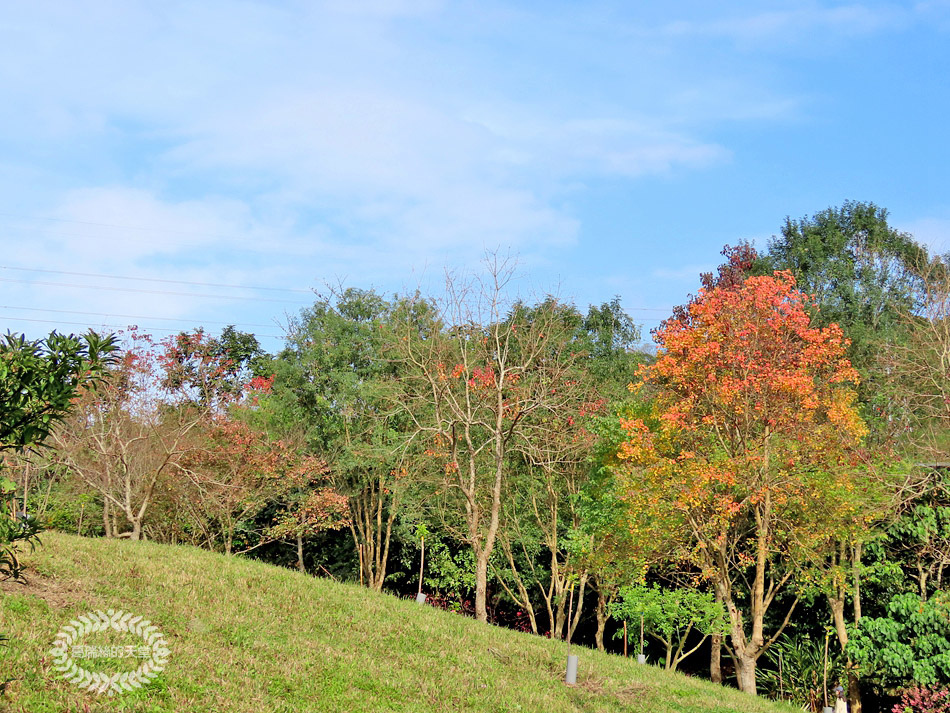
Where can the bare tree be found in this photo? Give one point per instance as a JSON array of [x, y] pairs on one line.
[[130, 434], [919, 366], [486, 378]]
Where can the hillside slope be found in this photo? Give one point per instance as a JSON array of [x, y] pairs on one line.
[[246, 636]]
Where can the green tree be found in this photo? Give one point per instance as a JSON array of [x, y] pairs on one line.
[[39, 380], [543, 540], [863, 275], [910, 643], [670, 616], [334, 387]]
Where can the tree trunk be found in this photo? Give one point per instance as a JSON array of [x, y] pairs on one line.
[[837, 616], [854, 686], [715, 659], [300, 553], [715, 651], [601, 619], [520, 593], [854, 693], [579, 605], [745, 672], [106, 521], [560, 615], [481, 585], [856, 574]]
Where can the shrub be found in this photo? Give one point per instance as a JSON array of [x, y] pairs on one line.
[[15, 528], [924, 699]]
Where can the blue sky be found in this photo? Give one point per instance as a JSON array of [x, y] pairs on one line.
[[614, 148]]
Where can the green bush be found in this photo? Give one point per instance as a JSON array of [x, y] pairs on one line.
[[15, 529]]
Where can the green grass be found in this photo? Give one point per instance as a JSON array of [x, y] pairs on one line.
[[246, 636]]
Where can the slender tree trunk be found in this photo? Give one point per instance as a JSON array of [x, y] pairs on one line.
[[300, 553], [854, 686], [557, 631], [520, 593], [715, 659], [837, 617], [484, 551], [372, 533], [106, 520], [856, 574], [715, 651], [576, 619], [836, 603], [601, 618], [481, 585]]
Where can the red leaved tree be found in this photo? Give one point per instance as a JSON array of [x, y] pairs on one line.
[[126, 438], [750, 451], [234, 471], [309, 505]]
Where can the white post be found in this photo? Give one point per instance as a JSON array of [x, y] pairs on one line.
[[571, 678]]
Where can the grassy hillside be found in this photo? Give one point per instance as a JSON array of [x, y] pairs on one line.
[[246, 636]]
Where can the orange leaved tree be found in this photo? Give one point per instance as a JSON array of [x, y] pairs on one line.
[[749, 451]]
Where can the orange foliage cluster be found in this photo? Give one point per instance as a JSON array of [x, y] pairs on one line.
[[754, 412], [748, 359]]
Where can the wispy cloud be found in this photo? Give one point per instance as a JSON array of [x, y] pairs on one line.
[[315, 117], [295, 142]]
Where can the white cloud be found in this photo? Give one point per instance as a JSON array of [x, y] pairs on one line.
[[325, 106], [294, 142]]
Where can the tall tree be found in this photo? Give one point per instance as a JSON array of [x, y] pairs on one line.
[[335, 385], [546, 541], [489, 379], [918, 368], [750, 446], [864, 276]]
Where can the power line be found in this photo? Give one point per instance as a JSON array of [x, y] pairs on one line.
[[204, 284], [111, 326], [246, 244], [178, 282], [155, 279], [149, 292], [136, 316], [113, 225]]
